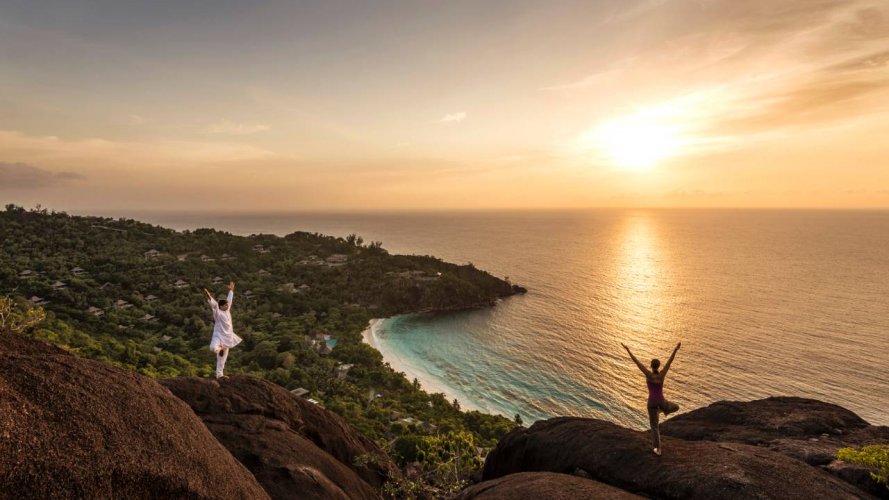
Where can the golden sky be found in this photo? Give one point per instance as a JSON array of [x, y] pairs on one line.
[[439, 104]]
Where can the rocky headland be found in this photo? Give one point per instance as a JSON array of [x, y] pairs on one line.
[[72, 427]]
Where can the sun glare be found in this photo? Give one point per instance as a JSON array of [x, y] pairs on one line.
[[637, 142]]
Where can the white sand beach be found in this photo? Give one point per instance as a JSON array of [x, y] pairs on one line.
[[373, 336]]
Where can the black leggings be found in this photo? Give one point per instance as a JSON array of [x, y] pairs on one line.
[[653, 406]]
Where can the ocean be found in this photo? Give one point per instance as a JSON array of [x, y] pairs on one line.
[[765, 302]]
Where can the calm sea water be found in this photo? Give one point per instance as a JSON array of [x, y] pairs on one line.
[[764, 302]]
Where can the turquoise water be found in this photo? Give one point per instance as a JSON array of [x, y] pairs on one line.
[[766, 302]]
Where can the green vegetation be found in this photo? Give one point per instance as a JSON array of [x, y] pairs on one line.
[[875, 457], [440, 465], [129, 294], [18, 316]]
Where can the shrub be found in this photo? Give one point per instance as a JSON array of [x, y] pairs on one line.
[[875, 457]]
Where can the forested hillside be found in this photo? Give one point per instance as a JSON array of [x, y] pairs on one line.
[[130, 294]]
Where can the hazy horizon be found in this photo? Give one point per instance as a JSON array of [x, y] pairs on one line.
[[401, 105]]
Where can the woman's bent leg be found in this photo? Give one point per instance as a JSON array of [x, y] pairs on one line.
[[669, 407]]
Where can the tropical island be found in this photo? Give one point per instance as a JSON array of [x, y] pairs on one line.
[[129, 294], [123, 402]]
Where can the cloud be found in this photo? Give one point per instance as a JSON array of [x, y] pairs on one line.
[[25, 176], [135, 119], [95, 152], [226, 127], [454, 117]]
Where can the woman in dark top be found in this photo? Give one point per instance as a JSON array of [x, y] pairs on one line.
[[656, 401]]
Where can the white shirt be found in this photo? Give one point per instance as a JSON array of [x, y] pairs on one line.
[[223, 333]]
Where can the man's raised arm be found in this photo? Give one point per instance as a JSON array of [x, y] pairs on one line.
[[213, 304]]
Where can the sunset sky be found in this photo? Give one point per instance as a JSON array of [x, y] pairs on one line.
[[439, 104]]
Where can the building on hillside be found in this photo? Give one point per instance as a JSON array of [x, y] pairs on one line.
[[180, 284], [342, 371], [261, 249], [150, 298], [337, 260], [226, 257], [312, 260], [216, 280], [59, 285], [263, 272], [152, 254], [300, 392], [95, 311], [207, 258], [105, 285], [38, 301], [148, 318], [288, 287], [122, 304], [78, 271], [248, 294], [27, 274], [277, 315], [303, 288]]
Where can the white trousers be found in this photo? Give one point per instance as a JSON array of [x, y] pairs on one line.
[[221, 356]]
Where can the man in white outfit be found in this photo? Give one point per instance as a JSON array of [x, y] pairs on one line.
[[224, 337]]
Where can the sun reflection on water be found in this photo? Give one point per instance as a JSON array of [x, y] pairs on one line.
[[642, 281]]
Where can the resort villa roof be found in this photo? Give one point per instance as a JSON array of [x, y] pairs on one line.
[[300, 391], [38, 301], [337, 259]]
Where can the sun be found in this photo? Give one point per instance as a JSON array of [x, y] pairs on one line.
[[636, 142]]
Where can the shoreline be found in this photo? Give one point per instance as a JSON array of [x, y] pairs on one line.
[[372, 337]]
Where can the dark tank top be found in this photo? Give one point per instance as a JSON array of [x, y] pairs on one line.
[[655, 391]]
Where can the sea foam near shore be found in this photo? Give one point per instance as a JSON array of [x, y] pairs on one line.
[[374, 336]]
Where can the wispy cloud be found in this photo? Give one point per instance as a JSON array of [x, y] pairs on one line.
[[746, 76], [454, 117], [25, 176], [226, 127], [135, 119], [96, 151]]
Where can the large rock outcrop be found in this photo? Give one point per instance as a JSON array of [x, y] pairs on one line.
[[294, 448], [807, 429], [75, 428], [688, 469], [543, 486]]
